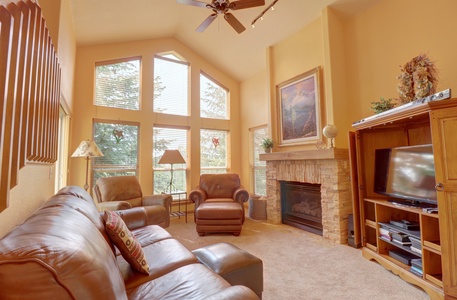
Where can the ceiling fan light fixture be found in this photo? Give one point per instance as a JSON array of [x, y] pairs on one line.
[[223, 7]]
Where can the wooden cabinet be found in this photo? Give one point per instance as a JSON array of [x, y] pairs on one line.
[[429, 123]]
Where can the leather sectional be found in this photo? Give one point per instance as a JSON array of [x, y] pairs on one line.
[[62, 251]]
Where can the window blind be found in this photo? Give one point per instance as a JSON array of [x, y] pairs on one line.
[[171, 86], [117, 84], [213, 99], [213, 149]]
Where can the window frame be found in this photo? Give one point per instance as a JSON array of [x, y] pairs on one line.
[[136, 170], [252, 157], [167, 167], [227, 98], [189, 82], [117, 61], [226, 169]]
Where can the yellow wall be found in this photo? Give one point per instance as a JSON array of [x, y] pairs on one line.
[[36, 181], [254, 113], [360, 55], [85, 111], [299, 53], [389, 34]]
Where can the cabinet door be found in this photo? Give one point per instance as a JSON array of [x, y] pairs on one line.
[[355, 190], [444, 128]]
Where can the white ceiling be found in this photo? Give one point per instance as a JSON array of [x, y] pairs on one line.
[[239, 55]]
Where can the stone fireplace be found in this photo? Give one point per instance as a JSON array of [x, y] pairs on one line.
[[327, 167], [301, 205]]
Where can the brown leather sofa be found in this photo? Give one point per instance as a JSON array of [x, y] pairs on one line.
[[124, 192], [219, 203], [62, 251]]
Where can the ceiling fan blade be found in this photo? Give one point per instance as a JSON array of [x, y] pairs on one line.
[[242, 4], [206, 23], [234, 22], [192, 2]]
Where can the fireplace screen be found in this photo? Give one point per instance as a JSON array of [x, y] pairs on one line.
[[301, 205]]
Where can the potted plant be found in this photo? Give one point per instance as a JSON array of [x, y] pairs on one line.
[[267, 144]]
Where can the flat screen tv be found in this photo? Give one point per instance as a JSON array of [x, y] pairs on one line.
[[407, 174]]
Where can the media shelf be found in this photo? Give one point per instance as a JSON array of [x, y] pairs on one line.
[[378, 247], [433, 123]]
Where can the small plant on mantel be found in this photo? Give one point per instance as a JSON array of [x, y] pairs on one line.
[[267, 144], [382, 105]]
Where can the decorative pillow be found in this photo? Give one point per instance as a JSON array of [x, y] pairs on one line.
[[124, 240]]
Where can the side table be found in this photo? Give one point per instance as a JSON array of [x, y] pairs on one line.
[[179, 196]]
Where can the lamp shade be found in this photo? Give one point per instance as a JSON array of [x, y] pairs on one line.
[[87, 149], [172, 157]]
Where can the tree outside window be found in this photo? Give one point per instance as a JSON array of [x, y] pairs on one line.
[[117, 84], [213, 149], [173, 139], [119, 144], [213, 99]]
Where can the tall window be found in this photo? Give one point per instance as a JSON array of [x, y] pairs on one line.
[[169, 139], [117, 84], [213, 99], [213, 149], [118, 142], [61, 166], [171, 85], [258, 168]]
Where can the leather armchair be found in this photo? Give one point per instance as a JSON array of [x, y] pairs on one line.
[[219, 188], [124, 192], [219, 203]]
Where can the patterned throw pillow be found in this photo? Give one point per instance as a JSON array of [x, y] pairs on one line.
[[124, 240]]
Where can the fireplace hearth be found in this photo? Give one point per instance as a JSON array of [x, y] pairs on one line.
[[301, 205]]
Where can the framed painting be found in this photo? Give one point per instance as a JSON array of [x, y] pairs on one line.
[[299, 109]]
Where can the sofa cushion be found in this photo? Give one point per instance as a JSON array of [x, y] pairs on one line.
[[150, 234], [84, 206], [194, 281], [125, 241], [164, 256]]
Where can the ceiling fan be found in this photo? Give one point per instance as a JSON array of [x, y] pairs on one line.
[[222, 7]]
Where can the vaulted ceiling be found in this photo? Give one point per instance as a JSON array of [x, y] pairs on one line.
[[239, 55]]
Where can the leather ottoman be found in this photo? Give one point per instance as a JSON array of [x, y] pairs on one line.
[[235, 265], [219, 217]]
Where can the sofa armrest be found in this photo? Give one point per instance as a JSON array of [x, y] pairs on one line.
[[241, 195], [113, 205], [235, 292], [198, 196], [135, 217], [163, 199]]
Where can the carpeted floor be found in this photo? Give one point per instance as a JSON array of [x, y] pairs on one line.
[[301, 265]]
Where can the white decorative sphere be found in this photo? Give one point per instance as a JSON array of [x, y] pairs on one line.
[[330, 131]]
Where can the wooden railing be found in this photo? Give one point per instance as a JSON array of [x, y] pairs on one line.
[[29, 92]]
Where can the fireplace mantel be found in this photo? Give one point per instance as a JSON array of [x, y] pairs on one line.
[[331, 153]]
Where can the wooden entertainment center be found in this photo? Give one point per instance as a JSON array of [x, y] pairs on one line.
[[427, 123]]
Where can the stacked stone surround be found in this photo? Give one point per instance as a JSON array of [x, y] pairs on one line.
[[334, 176]]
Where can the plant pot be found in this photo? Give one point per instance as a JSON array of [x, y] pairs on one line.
[[267, 150]]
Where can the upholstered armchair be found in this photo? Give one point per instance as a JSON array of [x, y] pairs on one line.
[[124, 192], [219, 203]]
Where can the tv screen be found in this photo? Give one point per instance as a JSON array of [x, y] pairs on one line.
[[406, 173]]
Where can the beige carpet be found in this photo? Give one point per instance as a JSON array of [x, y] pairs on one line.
[[302, 265]]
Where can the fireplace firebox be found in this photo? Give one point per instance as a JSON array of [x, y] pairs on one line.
[[301, 205]]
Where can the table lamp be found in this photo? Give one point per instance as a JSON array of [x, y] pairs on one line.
[[87, 149], [171, 157]]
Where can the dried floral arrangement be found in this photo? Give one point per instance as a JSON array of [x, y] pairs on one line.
[[418, 79]]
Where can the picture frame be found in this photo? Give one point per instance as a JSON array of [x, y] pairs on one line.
[[299, 109]]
